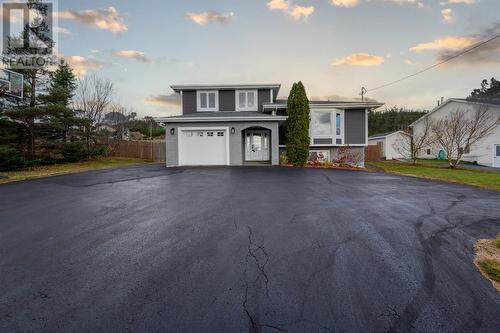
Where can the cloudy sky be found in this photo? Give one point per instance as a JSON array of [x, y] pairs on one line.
[[334, 46]]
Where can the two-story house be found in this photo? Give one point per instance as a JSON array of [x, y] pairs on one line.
[[244, 124]]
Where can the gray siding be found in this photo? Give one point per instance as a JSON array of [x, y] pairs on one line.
[[188, 101], [264, 96], [227, 100], [355, 127], [236, 148]]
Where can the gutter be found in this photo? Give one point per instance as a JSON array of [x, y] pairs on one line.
[[217, 119]]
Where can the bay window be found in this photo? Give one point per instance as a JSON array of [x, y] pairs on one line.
[[326, 127]]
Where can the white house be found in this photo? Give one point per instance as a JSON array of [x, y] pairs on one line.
[[388, 143], [485, 152]]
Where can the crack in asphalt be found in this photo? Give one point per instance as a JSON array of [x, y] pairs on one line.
[[122, 180]]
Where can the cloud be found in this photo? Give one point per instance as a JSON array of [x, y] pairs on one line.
[[445, 43], [82, 65], [288, 7], [105, 19], [486, 54], [210, 16], [278, 5], [447, 14], [299, 12], [172, 100], [60, 30], [344, 3], [351, 3], [360, 59], [448, 47], [465, 2], [132, 54]]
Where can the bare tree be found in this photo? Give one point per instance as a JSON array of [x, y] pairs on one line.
[[92, 97], [411, 144], [461, 129]]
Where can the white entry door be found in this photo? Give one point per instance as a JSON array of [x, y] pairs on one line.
[[203, 147], [257, 145], [496, 156]]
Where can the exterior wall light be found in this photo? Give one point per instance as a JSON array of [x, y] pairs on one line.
[[172, 131], [232, 130]]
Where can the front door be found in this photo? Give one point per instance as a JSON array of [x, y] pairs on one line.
[[257, 145], [496, 156]]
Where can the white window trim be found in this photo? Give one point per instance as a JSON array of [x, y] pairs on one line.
[[198, 101], [237, 100], [333, 135]]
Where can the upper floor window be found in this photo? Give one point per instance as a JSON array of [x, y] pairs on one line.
[[207, 100], [246, 100]]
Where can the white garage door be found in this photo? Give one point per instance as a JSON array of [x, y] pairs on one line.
[[203, 147]]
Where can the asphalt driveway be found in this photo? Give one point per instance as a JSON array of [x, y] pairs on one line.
[[244, 250]]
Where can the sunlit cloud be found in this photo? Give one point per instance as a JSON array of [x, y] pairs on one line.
[[132, 54], [465, 2], [210, 16], [445, 43], [104, 19], [170, 105], [344, 3], [288, 7], [81, 65], [449, 47], [172, 100], [351, 3], [447, 14], [360, 59]]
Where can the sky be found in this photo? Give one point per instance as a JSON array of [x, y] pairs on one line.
[[334, 47]]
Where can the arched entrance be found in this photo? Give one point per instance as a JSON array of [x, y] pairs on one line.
[[257, 145]]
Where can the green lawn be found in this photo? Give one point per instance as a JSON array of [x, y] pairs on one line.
[[480, 178], [59, 169]]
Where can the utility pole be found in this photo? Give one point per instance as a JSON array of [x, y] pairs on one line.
[[363, 92]]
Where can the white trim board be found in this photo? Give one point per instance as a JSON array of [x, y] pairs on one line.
[[219, 119]]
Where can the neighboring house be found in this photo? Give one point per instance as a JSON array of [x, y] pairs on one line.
[[485, 152], [244, 124], [389, 143]]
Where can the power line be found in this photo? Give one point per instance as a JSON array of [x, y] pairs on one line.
[[435, 65]]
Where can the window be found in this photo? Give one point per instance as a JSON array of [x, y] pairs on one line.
[[467, 149], [200, 133], [338, 124], [319, 155], [210, 133], [429, 152], [208, 100], [246, 100], [220, 133], [321, 124]]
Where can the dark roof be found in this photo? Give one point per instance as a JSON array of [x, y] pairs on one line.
[[486, 100], [225, 116], [284, 101]]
